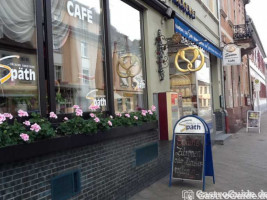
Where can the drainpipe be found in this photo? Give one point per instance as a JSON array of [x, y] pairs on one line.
[[221, 63], [250, 85], [226, 125]]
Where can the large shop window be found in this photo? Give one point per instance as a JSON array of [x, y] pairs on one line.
[[77, 31], [127, 57], [18, 56], [194, 88]]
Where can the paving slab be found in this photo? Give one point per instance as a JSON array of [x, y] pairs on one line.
[[240, 165]]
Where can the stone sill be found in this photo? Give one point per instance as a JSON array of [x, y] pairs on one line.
[[44, 147]]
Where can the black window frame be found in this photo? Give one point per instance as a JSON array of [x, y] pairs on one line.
[[48, 58]]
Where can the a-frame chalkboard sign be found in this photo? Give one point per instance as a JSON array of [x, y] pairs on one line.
[[191, 157]]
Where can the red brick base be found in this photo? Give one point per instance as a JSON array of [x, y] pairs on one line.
[[237, 117]]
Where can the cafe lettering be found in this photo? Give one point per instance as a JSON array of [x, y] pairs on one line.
[[81, 12]]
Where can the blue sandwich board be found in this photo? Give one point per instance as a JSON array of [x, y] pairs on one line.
[[191, 157]]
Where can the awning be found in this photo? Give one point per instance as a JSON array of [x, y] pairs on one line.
[[192, 35]]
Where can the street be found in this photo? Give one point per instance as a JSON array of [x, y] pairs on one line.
[[240, 164]]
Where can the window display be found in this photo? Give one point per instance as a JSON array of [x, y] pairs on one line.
[[78, 54], [18, 67], [193, 87], [127, 49]]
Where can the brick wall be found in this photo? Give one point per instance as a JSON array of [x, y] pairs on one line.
[[108, 170]]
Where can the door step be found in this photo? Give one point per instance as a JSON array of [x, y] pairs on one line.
[[221, 138]]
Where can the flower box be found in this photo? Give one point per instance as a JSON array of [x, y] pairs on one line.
[[48, 146]]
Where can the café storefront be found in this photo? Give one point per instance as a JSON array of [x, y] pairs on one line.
[[58, 53], [70, 66], [193, 60]]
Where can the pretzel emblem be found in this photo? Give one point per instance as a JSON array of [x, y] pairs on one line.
[[181, 54], [128, 66]]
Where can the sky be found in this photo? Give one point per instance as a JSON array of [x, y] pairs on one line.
[[256, 9]]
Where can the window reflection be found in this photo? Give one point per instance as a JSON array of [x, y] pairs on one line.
[[129, 84], [18, 71], [78, 54]]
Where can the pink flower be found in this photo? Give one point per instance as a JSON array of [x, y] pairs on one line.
[[97, 120], [2, 118], [35, 127], [111, 117], [8, 115], [153, 108], [22, 113], [75, 107], [79, 112], [127, 115], [92, 115], [118, 114], [53, 115], [27, 123], [66, 119], [144, 112], [24, 137], [150, 112], [135, 117], [94, 107], [109, 123]]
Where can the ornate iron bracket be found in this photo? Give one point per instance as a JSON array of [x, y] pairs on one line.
[[162, 49]]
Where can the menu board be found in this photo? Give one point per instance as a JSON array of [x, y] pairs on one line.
[[253, 119], [188, 156]]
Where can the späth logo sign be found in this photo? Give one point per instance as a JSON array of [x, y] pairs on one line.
[[189, 125], [23, 73], [78, 11]]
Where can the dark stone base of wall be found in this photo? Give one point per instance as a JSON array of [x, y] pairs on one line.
[[108, 170], [237, 118], [220, 121]]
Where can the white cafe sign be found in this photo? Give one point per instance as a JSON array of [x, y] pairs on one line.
[[231, 55], [76, 10]]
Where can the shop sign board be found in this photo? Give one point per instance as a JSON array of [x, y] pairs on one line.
[[16, 71], [184, 7], [231, 55], [188, 156], [191, 150], [253, 119], [257, 85]]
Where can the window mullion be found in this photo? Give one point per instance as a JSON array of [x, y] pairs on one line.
[[108, 58]]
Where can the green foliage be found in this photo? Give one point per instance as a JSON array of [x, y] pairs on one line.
[[10, 134], [11, 130], [46, 130]]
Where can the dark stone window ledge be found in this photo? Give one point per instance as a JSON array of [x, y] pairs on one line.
[[44, 147]]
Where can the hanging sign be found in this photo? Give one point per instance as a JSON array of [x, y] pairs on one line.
[[231, 55], [191, 150], [181, 54], [253, 119], [257, 85]]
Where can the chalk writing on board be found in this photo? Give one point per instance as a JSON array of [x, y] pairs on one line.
[[188, 156]]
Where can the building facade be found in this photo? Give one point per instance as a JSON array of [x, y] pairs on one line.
[[257, 69], [234, 29]]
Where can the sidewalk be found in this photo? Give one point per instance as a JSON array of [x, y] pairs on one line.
[[240, 164]]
